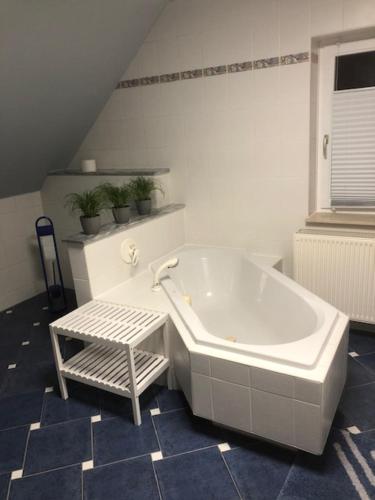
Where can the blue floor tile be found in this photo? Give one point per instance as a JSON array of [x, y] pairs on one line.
[[201, 475], [259, 470], [21, 409], [368, 361], [4, 485], [361, 342], [179, 431], [322, 477], [130, 480], [112, 405], [13, 333], [118, 438], [82, 402], [358, 374], [32, 378], [9, 353], [170, 400], [62, 484], [31, 355], [12, 448], [58, 446], [357, 405]]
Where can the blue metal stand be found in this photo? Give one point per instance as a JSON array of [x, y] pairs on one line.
[[54, 287]]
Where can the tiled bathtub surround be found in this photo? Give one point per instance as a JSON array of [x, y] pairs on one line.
[[216, 70]]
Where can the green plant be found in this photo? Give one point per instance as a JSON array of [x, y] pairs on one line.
[[142, 187], [90, 203], [117, 196]]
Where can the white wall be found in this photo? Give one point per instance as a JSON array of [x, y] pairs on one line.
[[20, 270], [238, 143]]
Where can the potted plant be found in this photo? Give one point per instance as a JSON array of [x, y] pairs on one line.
[[141, 189], [90, 204], [118, 197]]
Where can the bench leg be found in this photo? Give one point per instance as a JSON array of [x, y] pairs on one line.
[[58, 363], [136, 411]]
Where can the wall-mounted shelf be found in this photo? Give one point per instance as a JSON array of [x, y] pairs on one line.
[[111, 228], [129, 172]]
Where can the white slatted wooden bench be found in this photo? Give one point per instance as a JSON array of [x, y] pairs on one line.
[[111, 360]]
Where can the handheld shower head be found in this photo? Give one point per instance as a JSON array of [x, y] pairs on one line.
[[166, 265]]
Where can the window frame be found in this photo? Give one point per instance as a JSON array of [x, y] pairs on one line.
[[326, 81]]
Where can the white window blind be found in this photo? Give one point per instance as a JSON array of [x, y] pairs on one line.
[[353, 148]]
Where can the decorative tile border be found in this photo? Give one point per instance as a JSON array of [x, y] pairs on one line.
[[238, 67], [294, 58], [270, 62], [149, 80], [215, 70], [191, 74], [169, 77]]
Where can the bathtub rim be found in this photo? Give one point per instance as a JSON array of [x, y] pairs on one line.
[[279, 353]]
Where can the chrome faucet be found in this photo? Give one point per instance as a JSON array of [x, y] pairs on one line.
[[167, 265]]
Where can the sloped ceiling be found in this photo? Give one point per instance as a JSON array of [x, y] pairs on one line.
[[59, 62]]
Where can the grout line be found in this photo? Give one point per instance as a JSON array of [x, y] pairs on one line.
[[42, 409], [156, 479], [173, 410], [52, 470], [156, 433], [231, 476], [9, 485], [287, 476], [189, 451], [25, 452], [92, 440], [121, 460]]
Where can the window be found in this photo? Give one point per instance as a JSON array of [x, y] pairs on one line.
[[346, 132]]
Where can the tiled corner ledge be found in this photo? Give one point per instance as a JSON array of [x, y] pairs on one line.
[[341, 219], [112, 228], [113, 171]]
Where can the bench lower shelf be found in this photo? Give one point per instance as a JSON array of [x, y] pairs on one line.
[[107, 368]]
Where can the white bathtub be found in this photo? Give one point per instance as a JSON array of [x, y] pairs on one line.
[[240, 306]]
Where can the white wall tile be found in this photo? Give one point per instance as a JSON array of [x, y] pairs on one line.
[[294, 26], [272, 416], [230, 372], [201, 395], [307, 390], [308, 427], [266, 38], [83, 291], [326, 17], [190, 49], [268, 381], [200, 364], [231, 405], [20, 269], [358, 13]]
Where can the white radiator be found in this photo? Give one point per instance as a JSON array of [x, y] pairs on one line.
[[339, 267]]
